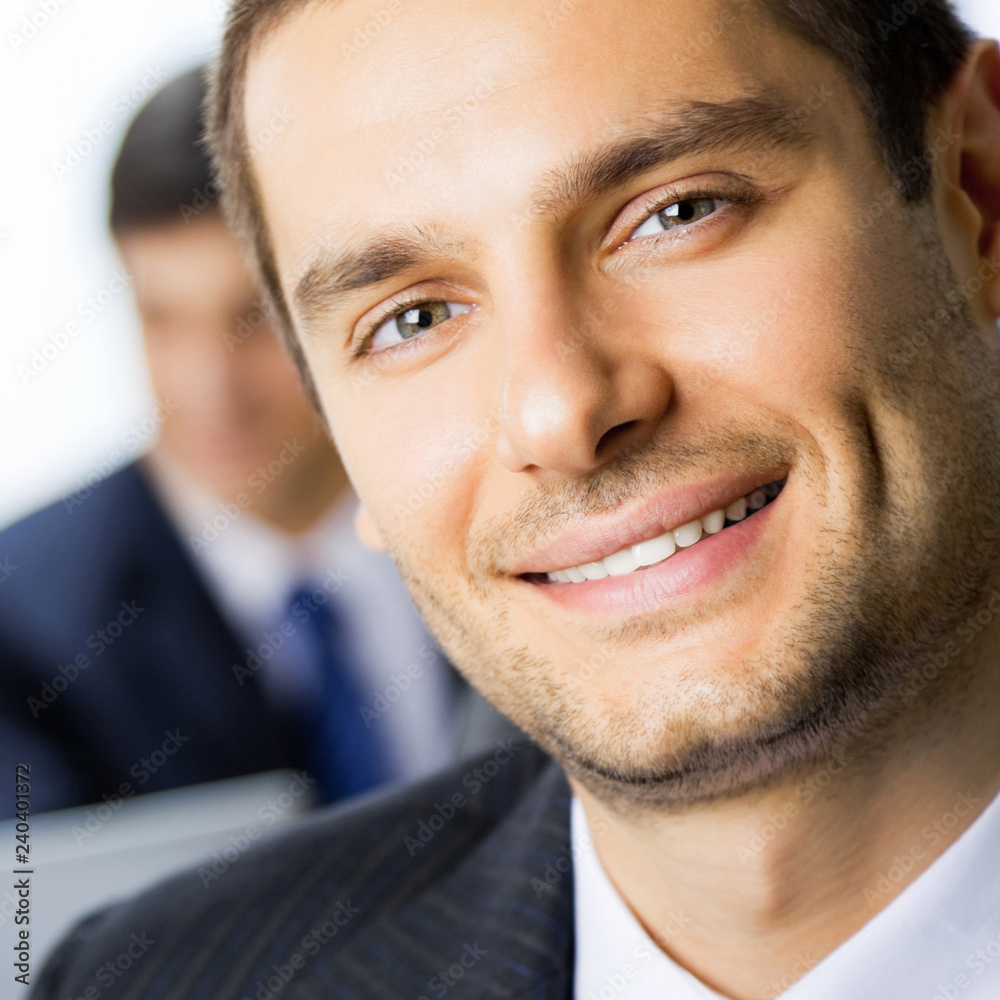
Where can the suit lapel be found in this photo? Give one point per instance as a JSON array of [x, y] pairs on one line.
[[492, 927], [173, 668]]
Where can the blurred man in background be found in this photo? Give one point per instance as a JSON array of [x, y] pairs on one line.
[[207, 612]]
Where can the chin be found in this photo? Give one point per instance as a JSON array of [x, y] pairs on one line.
[[701, 733]]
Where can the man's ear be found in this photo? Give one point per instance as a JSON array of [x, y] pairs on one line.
[[976, 111], [367, 532]]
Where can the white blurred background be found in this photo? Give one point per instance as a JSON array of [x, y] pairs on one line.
[[67, 93], [92, 65]]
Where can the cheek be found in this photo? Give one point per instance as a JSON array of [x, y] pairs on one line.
[[781, 331], [415, 447]]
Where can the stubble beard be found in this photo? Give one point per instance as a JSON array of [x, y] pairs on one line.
[[832, 681]]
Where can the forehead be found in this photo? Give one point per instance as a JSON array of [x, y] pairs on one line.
[[439, 109]]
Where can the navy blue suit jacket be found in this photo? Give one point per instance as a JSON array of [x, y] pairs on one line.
[[116, 668], [459, 887]]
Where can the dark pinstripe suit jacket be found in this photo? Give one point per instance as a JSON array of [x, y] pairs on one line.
[[450, 888]]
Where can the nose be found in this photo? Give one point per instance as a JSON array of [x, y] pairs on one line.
[[576, 391]]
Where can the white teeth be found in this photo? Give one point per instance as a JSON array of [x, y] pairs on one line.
[[621, 563], [594, 571], [737, 510], [657, 550], [714, 523], [687, 534]]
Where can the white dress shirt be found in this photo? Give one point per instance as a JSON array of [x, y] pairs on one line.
[[938, 940], [251, 569]]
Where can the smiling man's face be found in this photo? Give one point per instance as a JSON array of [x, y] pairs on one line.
[[568, 282]]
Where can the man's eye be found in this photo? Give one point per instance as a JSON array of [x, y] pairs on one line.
[[677, 215], [414, 320]]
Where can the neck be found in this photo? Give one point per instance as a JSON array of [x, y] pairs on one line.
[[749, 894]]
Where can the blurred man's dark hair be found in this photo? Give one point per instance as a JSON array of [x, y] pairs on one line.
[[162, 166]]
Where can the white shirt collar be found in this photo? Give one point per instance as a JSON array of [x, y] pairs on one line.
[[249, 566], [614, 954], [938, 940]]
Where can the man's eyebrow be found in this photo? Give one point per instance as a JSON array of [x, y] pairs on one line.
[[329, 275], [756, 122], [759, 123]]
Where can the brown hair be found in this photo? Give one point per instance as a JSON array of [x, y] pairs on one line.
[[901, 54], [247, 24]]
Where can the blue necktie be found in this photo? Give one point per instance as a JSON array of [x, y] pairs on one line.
[[344, 753]]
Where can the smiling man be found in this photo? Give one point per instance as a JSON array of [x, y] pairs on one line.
[[659, 341]]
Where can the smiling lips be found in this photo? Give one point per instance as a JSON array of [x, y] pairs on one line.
[[659, 548]]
